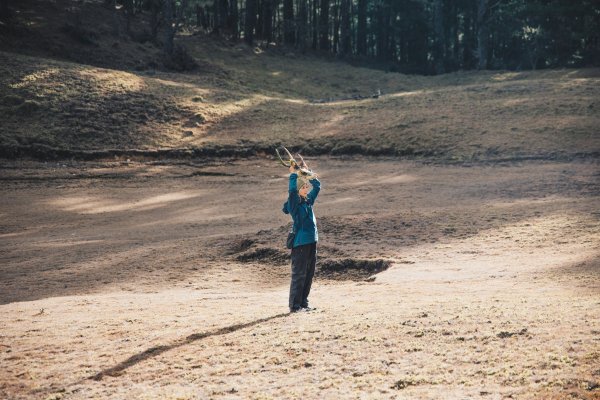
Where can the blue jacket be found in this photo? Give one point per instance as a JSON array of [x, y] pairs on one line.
[[301, 210]]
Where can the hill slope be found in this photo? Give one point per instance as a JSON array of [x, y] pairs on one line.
[[243, 100]]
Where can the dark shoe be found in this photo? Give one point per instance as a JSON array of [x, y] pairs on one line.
[[295, 310], [309, 308]]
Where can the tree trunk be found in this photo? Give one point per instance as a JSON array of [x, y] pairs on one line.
[[179, 12], [403, 42], [220, 8], [315, 24], [417, 38], [379, 32], [201, 17], [267, 20], [168, 13], [361, 29], [250, 21], [440, 40], [302, 27], [209, 18], [382, 40], [129, 12], [288, 22], [482, 33], [233, 20], [138, 6], [453, 36], [324, 25], [116, 22], [345, 33], [468, 46], [224, 16], [154, 20], [336, 26], [259, 24], [215, 19], [383, 31], [4, 11]]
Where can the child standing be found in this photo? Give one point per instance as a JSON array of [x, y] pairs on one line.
[[304, 250]]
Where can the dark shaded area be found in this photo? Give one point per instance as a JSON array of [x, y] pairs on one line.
[[351, 269], [250, 250], [82, 32], [327, 268], [316, 147], [43, 152], [264, 254], [408, 36]]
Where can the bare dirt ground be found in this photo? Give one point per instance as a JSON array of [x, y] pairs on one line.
[[169, 280], [470, 271]]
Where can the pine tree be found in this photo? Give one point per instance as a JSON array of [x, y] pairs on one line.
[[250, 21]]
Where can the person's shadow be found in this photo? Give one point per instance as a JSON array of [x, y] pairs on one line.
[[157, 350]]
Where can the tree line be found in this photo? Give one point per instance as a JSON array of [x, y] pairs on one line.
[[416, 36], [410, 36]]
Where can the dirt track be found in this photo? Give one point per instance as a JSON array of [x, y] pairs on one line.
[[123, 280]]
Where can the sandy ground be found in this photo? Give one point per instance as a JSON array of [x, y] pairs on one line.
[[124, 280]]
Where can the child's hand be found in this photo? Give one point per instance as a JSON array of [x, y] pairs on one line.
[[293, 169]]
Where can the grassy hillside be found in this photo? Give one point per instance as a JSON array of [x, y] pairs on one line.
[[247, 100]]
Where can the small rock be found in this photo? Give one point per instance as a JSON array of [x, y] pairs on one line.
[[592, 386], [403, 384]]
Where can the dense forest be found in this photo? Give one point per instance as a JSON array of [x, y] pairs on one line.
[[410, 36], [421, 36]]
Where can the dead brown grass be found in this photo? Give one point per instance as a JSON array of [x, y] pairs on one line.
[[506, 116]]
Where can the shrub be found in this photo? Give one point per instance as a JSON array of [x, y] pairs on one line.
[[28, 107], [11, 100], [181, 60], [79, 33]]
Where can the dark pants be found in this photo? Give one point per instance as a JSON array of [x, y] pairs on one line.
[[304, 260]]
